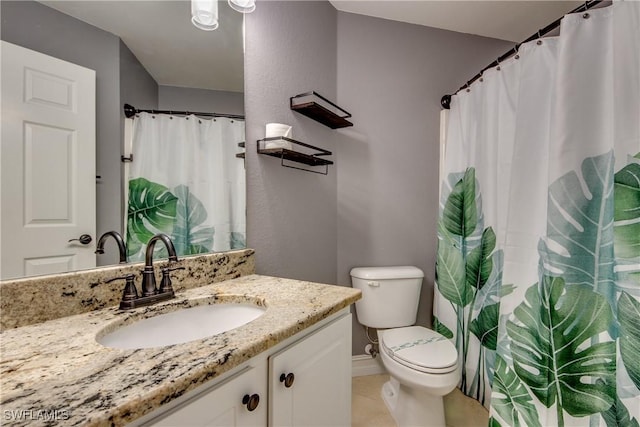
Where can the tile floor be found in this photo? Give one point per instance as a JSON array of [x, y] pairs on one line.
[[368, 409]]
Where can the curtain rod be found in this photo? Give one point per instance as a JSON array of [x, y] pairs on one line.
[[130, 111], [446, 99]]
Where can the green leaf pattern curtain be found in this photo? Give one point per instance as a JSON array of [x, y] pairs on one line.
[[185, 181], [538, 262]]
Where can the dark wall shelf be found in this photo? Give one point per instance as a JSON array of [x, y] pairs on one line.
[[311, 157], [320, 109]]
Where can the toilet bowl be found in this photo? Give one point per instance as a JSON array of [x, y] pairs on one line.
[[422, 364]]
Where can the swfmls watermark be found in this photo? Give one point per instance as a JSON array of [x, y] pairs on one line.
[[35, 415]]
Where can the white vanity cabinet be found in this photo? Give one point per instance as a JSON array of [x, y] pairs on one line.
[[316, 364], [241, 400], [310, 380]]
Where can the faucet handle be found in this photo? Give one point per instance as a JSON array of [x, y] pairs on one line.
[[165, 284], [125, 277], [130, 292]]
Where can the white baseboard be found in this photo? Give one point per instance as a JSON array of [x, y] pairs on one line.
[[364, 364]]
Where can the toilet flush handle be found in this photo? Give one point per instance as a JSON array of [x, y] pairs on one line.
[[373, 284]]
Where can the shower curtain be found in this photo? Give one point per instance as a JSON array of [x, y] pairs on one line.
[[538, 261], [186, 181]]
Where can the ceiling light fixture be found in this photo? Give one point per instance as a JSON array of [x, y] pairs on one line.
[[243, 6], [204, 14]]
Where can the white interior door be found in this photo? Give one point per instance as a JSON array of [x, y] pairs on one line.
[[47, 164]]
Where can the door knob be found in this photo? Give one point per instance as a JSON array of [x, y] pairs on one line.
[[287, 379], [251, 401], [85, 239]]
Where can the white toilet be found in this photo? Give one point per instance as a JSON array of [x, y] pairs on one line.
[[422, 364]]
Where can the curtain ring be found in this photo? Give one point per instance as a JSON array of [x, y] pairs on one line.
[[585, 15]]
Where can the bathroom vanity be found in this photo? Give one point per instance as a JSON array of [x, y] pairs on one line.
[[290, 366], [301, 382]]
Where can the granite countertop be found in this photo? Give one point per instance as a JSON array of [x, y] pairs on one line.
[[57, 366]]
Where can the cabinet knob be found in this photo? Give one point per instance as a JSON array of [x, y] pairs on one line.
[[287, 379], [251, 401]]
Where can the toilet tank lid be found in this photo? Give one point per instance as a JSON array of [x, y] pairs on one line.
[[382, 273]]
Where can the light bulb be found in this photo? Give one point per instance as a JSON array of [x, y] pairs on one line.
[[204, 14], [243, 6]]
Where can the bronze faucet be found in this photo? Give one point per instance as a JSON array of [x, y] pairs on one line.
[[148, 276], [121, 247], [150, 294]]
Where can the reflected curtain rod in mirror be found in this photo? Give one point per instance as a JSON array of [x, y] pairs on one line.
[[130, 111]]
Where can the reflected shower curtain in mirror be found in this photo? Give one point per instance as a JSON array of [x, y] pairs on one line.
[[538, 261], [185, 181]]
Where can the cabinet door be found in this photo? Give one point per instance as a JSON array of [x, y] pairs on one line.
[[223, 405], [320, 393]]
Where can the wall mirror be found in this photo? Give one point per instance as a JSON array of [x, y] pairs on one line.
[[144, 53]]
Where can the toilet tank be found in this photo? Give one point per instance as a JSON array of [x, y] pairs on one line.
[[390, 295]]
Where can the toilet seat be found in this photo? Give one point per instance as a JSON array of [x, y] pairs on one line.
[[419, 348]]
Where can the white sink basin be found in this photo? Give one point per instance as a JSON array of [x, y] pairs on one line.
[[182, 326]]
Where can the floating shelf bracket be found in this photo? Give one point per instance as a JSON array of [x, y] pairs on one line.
[[320, 109], [241, 154], [313, 158]]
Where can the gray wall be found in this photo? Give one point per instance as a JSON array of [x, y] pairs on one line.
[[201, 100], [290, 48], [40, 28], [391, 76], [137, 87], [378, 206]]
